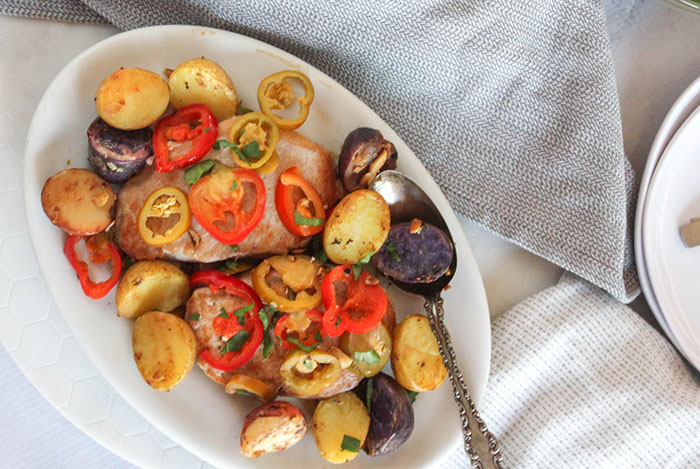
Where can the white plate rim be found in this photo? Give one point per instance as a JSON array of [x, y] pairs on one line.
[[683, 343], [466, 257]]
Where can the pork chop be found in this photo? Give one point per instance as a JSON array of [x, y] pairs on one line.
[[197, 245]]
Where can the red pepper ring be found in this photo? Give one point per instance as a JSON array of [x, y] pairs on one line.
[[194, 123], [217, 280], [364, 306], [290, 182], [306, 337], [231, 361], [101, 250]]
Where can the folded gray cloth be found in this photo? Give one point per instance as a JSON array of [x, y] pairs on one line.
[[511, 106]]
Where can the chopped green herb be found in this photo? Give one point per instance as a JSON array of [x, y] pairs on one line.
[[194, 173], [240, 134], [350, 443], [234, 247], [300, 220], [412, 395], [243, 109], [223, 313], [370, 357], [265, 316], [223, 143], [318, 336], [231, 264], [234, 186], [267, 345], [307, 363], [319, 252], [207, 130], [245, 393], [194, 317], [358, 266], [235, 343], [370, 391], [337, 322], [240, 313], [279, 341], [297, 342], [252, 150], [392, 251]]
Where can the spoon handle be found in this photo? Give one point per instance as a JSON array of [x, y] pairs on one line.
[[482, 448]]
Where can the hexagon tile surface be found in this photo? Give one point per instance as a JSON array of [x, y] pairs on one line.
[[32, 329]]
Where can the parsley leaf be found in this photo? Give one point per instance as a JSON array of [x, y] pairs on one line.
[[350, 443], [307, 363], [235, 343], [392, 251], [318, 336], [243, 109], [370, 391], [231, 264], [265, 316], [319, 252], [300, 220], [243, 392], [234, 247], [240, 313], [252, 150], [337, 322], [234, 186], [223, 143], [194, 173], [194, 317], [297, 342], [358, 266], [223, 313], [267, 345], [207, 130], [412, 395], [370, 357]]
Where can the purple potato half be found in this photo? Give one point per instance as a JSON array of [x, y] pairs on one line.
[[390, 411], [365, 154], [420, 257], [117, 154]]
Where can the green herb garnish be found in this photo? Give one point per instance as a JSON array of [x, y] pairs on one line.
[[319, 253], [297, 342], [392, 251], [231, 264], [350, 443], [358, 266], [267, 345], [194, 173], [245, 393], [223, 143], [207, 130], [318, 336], [240, 313], [243, 109], [234, 186], [370, 357], [223, 313], [251, 150], [234, 247], [235, 343], [301, 220], [412, 395], [370, 391], [194, 317], [307, 363]]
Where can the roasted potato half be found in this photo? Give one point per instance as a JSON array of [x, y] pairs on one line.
[[203, 81], [78, 201], [340, 425], [415, 357], [151, 286], [164, 349], [132, 98], [272, 427], [358, 226], [369, 351]]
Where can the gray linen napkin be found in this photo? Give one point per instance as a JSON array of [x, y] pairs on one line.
[[511, 106]]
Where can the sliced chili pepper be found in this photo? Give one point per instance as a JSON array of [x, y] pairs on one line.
[[363, 307], [275, 93], [253, 140], [308, 332], [296, 213], [292, 283], [164, 217], [247, 344], [183, 138], [217, 280], [101, 250], [220, 195]]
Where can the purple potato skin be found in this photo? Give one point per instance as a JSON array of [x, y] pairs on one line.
[[391, 415], [361, 148], [117, 154], [423, 257]]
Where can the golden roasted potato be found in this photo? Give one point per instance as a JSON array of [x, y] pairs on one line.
[[358, 226], [415, 357], [164, 349], [272, 427], [340, 425], [203, 81], [370, 351], [151, 286], [132, 98], [78, 201]]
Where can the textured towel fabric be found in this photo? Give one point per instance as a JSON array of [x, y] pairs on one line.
[[579, 380], [512, 107]]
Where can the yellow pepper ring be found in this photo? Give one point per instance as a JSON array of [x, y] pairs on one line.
[[154, 224], [298, 274], [308, 374], [257, 127], [240, 382], [270, 165], [275, 93]]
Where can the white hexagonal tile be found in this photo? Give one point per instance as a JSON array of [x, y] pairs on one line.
[[143, 448], [57, 321], [125, 418], [52, 377], [104, 432], [74, 362], [17, 257], [10, 329], [31, 297], [91, 399], [40, 344], [5, 287], [179, 457], [160, 437], [11, 214], [11, 175]]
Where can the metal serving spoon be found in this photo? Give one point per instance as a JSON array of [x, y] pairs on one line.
[[408, 201]]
